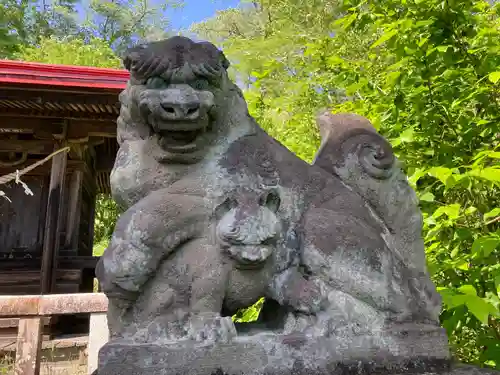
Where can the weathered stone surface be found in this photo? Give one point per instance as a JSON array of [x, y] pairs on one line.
[[219, 214], [266, 353]]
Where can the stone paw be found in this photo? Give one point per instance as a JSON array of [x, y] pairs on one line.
[[211, 328], [298, 322], [310, 299]]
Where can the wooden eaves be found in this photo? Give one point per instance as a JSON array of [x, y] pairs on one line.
[[43, 104]]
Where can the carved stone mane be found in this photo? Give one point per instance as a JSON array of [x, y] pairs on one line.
[[167, 57]]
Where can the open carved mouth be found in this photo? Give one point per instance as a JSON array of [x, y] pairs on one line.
[[182, 141], [249, 257]]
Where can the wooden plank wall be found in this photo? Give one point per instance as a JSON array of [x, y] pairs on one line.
[[22, 220]]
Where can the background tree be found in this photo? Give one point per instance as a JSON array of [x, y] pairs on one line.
[[119, 23], [124, 22], [71, 51]]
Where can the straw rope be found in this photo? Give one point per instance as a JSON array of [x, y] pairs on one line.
[[15, 175]]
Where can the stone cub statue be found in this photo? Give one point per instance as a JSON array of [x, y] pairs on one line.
[[204, 260]]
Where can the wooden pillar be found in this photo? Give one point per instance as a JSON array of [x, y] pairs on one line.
[[74, 211], [29, 345], [92, 207], [51, 240]]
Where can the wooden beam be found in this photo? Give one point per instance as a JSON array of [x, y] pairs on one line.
[[29, 344], [50, 126], [40, 97], [60, 89], [53, 222], [77, 128], [32, 146], [74, 209], [68, 115], [14, 322], [11, 278], [22, 290], [80, 129], [64, 262], [52, 304]]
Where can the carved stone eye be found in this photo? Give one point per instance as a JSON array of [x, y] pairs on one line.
[[201, 84], [271, 200], [155, 83]]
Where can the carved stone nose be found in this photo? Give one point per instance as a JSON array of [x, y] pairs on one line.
[[181, 111]]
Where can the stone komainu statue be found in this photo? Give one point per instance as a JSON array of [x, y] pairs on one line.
[[218, 214]]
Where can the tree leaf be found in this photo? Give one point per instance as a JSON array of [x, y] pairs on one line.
[[427, 197], [451, 210], [384, 38], [480, 308], [493, 213], [441, 173], [417, 175], [407, 135], [468, 289], [494, 77], [497, 285], [457, 300], [485, 245], [490, 173]]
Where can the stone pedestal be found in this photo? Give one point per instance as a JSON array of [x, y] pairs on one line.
[[267, 353]]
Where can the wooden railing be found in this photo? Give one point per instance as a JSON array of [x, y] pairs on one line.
[[31, 309]]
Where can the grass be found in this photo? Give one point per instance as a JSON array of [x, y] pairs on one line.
[[97, 252], [6, 365], [52, 363], [99, 248]]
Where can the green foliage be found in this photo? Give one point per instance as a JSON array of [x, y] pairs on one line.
[[250, 314], [20, 24], [425, 72], [71, 52], [119, 23], [106, 215]]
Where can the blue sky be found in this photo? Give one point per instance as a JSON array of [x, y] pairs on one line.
[[197, 10], [193, 11]]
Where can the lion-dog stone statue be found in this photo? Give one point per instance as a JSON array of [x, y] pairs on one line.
[[218, 214]]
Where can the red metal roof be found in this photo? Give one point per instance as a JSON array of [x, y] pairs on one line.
[[21, 72]]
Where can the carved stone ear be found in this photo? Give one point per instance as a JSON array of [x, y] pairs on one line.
[[223, 208], [271, 200]]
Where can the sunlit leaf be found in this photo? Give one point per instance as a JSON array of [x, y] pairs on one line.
[[480, 308], [493, 213], [494, 77], [384, 38], [452, 211], [427, 197], [485, 245], [490, 173], [468, 289], [441, 173]]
